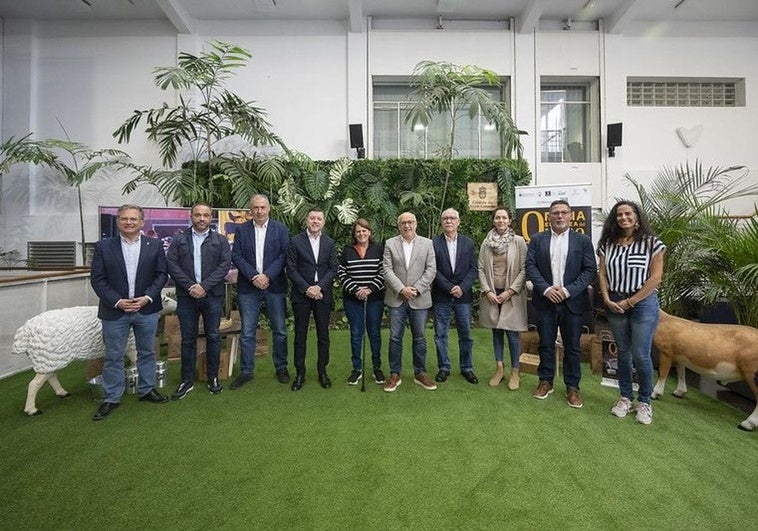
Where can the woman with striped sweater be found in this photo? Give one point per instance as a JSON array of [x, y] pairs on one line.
[[360, 273]]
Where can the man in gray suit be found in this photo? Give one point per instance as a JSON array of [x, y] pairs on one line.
[[409, 270]]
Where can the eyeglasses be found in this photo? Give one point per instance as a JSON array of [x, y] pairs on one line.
[[449, 218], [560, 213], [130, 220]]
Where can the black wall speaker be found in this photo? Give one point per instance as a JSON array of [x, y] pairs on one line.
[[614, 135], [356, 136], [614, 138]]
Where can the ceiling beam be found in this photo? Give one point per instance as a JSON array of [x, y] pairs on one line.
[[178, 16], [355, 8], [620, 18], [530, 16]]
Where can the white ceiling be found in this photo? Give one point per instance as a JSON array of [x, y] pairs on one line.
[[533, 10]]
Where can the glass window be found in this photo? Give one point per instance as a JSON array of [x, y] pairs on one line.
[[393, 137], [569, 119]]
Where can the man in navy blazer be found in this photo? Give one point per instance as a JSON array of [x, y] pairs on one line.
[[312, 267], [260, 254], [128, 272], [560, 262], [451, 295]]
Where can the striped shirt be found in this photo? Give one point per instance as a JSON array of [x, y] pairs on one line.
[[355, 272], [628, 267]]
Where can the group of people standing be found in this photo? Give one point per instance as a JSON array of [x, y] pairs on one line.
[[409, 275]]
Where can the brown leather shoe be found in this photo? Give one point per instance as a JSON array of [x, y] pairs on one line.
[[392, 384], [543, 390], [424, 381], [573, 399]]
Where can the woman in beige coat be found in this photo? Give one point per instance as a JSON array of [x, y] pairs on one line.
[[503, 300]]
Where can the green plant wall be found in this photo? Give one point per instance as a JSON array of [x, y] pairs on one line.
[[380, 190]]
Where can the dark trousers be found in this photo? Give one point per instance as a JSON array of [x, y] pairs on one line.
[[188, 310], [302, 312], [570, 324]]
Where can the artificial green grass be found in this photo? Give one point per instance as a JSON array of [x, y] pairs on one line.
[[461, 457]]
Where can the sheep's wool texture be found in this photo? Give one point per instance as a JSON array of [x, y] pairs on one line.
[[55, 338]]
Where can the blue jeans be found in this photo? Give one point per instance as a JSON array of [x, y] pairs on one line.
[[115, 335], [443, 312], [373, 324], [548, 323], [188, 310], [633, 332], [514, 345], [250, 310], [398, 319]]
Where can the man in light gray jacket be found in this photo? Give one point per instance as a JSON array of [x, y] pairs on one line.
[[409, 270]]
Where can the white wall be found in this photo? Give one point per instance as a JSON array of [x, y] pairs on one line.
[[313, 78], [688, 50]]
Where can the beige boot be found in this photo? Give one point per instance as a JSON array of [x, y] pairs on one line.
[[498, 376], [513, 383]]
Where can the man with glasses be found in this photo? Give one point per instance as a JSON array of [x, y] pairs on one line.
[[128, 273], [409, 269], [451, 295], [560, 263]]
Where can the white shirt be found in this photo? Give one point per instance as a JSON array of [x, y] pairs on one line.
[[559, 244], [197, 241], [452, 250], [408, 251], [260, 242], [315, 246], [131, 251]]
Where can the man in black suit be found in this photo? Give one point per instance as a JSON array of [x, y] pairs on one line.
[[560, 262], [128, 272], [451, 295], [198, 260], [312, 266], [260, 254]]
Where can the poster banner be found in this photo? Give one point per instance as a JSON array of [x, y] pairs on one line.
[[533, 207]]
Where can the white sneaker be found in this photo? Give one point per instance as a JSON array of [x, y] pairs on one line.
[[622, 406], [644, 413]]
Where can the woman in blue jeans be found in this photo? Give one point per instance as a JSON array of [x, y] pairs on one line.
[[360, 273], [630, 270], [503, 300]]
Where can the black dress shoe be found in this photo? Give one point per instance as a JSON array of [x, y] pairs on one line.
[[283, 375], [470, 377], [324, 380], [240, 380], [442, 376], [104, 410], [297, 384], [153, 396]]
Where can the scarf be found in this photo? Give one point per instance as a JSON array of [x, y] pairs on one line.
[[498, 243]]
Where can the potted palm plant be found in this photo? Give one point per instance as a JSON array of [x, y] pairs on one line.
[[710, 255], [207, 114], [73, 161], [442, 89]]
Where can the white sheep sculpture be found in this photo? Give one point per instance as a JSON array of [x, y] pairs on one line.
[[55, 338]]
